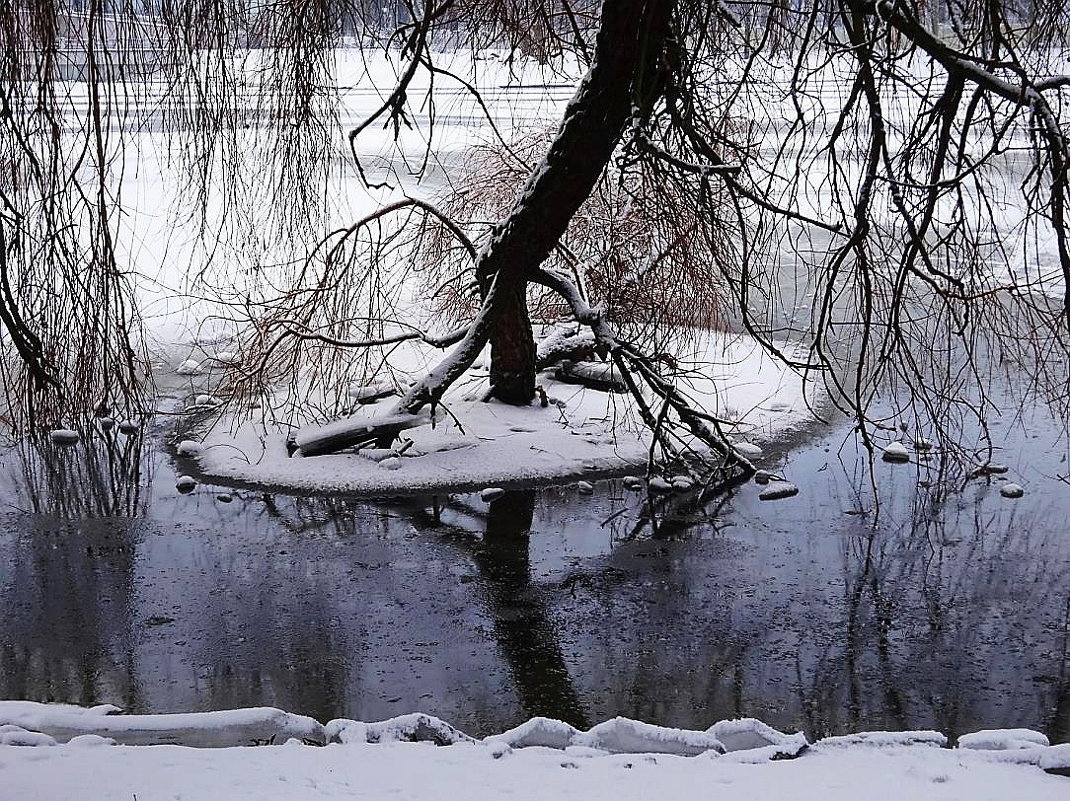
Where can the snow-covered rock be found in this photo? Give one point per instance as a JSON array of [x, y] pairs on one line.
[[886, 739], [390, 463], [1056, 760], [415, 727], [227, 358], [746, 734], [204, 400], [106, 423], [189, 367], [544, 732], [129, 427], [254, 726], [90, 741], [778, 490], [10, 734], [585, 487], [682, 483], [748, 450], [659, 484], [1011, 490], [1003, 740], [625, 736], [185, 484], [896, 452], [634, 483], [491, 493], [188, 447], [64, 436]]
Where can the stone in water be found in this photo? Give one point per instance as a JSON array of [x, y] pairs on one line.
[[782, 489]]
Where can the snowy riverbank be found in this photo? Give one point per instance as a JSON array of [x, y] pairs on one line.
[[541, 759]]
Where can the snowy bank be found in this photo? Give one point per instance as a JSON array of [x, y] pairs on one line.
[[580, 432], [541, 759]]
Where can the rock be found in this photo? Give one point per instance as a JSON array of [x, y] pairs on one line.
[[746, 734], [204, 400], [585, 487], [921, 444], [1056, 760], [625, 736], [189, 367], [781, 489], [65, 437], [390, 463], [227, 359], [763, 476], [992, 469], [188, 447], [11, 734], [896, 452], [658, 484], [682, 483], [544, 732], [1003, 740], [106, 423], [748, 450], [129, 427], [185, 484], [491, 493], [886, 739], [634, 483], [224, 497], [1011, 491]]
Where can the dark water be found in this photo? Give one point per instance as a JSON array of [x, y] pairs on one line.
[[940, 612]]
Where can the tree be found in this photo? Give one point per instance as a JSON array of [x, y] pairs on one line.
[[856, 155]]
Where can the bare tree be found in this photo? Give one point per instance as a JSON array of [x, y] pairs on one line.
[[875, 182]]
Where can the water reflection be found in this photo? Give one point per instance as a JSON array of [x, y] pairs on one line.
[[946, 611]]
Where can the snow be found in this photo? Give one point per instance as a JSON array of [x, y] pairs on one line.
[[64, 436], [582, 433], [1003, 740], [218, 729], [619, 759], [778, 491]]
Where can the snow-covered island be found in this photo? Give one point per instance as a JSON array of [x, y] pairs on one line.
[[578, 433]]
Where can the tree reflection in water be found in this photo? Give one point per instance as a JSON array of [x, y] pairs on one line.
[[950, 612]]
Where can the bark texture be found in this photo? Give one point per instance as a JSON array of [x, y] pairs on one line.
[[624, 76]]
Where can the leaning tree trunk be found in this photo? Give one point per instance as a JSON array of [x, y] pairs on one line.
[[623, 76]]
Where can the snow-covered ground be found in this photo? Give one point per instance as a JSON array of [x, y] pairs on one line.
[[61, 752], [581, 432]]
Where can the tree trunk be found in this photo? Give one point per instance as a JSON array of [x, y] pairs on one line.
[[624, 75]]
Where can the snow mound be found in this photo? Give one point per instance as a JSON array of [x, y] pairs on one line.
[[886, 739], [545, 732], [1003, 740], [416, 727], [11, 734], [253, 726], [627, 736], [1056, 759], [749, 733]]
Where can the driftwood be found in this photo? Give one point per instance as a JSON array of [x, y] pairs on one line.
[[602, 376], [352, 432]]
